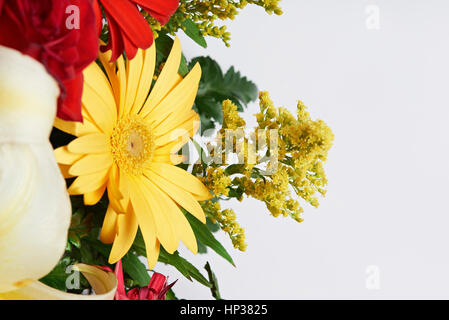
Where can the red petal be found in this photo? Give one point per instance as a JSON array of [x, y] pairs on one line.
[[131, 22], [161, 10], [166, 288], [130, 49], [120, 293], [69, 102], [105, 268], [143, 293], [115, 39], [133, 294], [157, 282], [11, 33], [98, 16], [37, 28], [88, 43]]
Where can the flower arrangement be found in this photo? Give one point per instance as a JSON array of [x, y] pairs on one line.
[[120, 190]]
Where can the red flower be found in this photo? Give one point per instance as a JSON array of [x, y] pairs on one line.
[[128, 29], [156, 289], [41, 30]]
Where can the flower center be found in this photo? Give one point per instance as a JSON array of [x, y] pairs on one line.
[[132, 144]]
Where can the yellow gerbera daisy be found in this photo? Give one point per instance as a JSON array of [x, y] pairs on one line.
[[128, 146]]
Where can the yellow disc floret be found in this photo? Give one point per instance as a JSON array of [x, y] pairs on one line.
[[132, 144]]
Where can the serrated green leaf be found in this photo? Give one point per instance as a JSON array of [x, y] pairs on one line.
[[210, 107], [211, 74], [205, 236], [135, 269], [192, 31], [242, 90], [215, 87]]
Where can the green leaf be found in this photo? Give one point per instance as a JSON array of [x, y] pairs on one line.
[[135, 269], [205, 236], [191, 30], [242, 90], [213, 227], [183, 67], [213, 280], [164, 44], [210, 107], [215, 87], [58, 276], [87, 254], [100, 247], [182, 265], [139, 245], [171, 295], [202, 249]]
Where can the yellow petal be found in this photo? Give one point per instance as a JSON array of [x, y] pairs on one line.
[[171, 147], [182, 197], [172, 159], [180, 99], [110, 68], [165, 231], [64, 156], [124, 189], [95, 78], [64, 168], [134, 70], [181, 178], [76, 128], [91, 143], [92, 198], [88, 183], [174, 120], [114, 193], [121, 74], [152, 220], [166, 80], [102, 112], [183, 131], [109, 228], [103, 283], [114, 182], [126, 232], [91, 163], [179, 222], [146, 78], [153, 254]]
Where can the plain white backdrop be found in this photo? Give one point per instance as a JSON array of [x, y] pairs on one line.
[[382, 230]]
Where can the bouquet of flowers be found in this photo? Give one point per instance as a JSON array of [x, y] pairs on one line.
[[115, 147]]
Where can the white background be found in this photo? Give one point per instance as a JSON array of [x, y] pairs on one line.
[[385, 95]]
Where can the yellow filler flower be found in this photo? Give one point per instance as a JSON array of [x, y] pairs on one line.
[[128, 144]]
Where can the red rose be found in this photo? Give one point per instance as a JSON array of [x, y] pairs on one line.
[[128, 29], [50, 32]]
